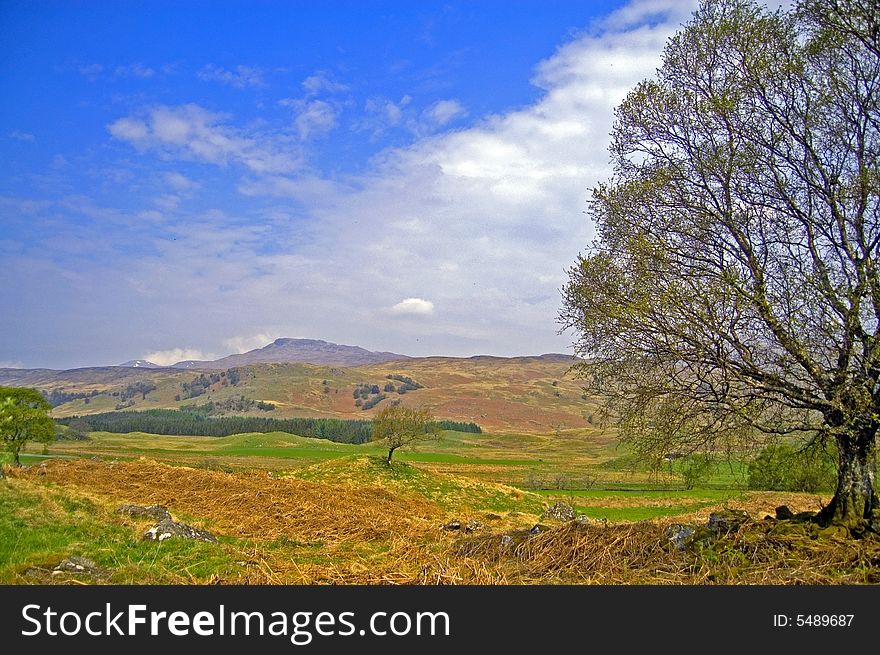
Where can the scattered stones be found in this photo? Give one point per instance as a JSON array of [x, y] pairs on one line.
[[728, 520], [681, 536], [559, 512], [454, 524], [166, 529], [76, 564], [582, 519], [472, 526], [506, 540], [155, 512]]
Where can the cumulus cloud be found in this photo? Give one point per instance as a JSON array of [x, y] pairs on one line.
[[240, 78], [413, 307], [322, 82], [312, 117], [191, 131], [174, 355], [240, 344], [444, 111]]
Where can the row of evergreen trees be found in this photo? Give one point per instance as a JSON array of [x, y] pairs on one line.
[[172, 421]]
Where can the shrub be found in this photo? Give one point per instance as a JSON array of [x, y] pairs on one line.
[[782, 467]]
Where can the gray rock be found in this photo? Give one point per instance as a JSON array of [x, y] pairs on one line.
[[538, 529], [506, 540], [681, 536], [472, 526], [454, 524], [168, 529], [155, 512], [559, 512], [582, 519], [76, 564]]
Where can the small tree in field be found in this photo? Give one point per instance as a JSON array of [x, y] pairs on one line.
[[400, 426], [23, 418], [733, 294]]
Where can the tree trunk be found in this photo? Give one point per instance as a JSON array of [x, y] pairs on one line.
[[15, 460], [855, 503], [390, 453]]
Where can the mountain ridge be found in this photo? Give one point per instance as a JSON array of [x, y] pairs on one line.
[[299, 351]]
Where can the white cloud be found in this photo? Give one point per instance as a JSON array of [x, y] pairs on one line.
[[413, 307], [11, 364], [168, 201], [444, 111], [130, 129], [483, 221], [240, 345], [134, 70], [174, 355], [322, 82], [313, 117], [190, 131], [180, 182], [18, 135], [241, 77]]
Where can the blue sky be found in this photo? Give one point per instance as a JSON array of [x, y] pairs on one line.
[[189, 179]]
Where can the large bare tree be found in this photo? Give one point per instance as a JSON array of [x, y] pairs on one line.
[[732, 294]]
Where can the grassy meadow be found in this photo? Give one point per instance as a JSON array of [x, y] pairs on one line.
[[297, 510]]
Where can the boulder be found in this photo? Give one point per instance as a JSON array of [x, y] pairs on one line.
[[559, 512], [681, 536], [167, 529], [155, 512], [76, 564]]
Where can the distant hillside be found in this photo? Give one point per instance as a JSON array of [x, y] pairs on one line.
[[139, 363], [303, 351]]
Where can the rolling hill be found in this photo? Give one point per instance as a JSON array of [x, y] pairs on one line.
[[521, 394]]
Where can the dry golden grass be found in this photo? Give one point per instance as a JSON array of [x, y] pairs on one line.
[[291, 531], [250, 505]]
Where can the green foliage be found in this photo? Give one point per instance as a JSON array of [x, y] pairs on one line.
[[695, 469], [372, 402], [23, 418], [399, 426], [727, 292], [456, 426], [220, 407], [782, 467], [172, 421], [57, 397], [142, 388]]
